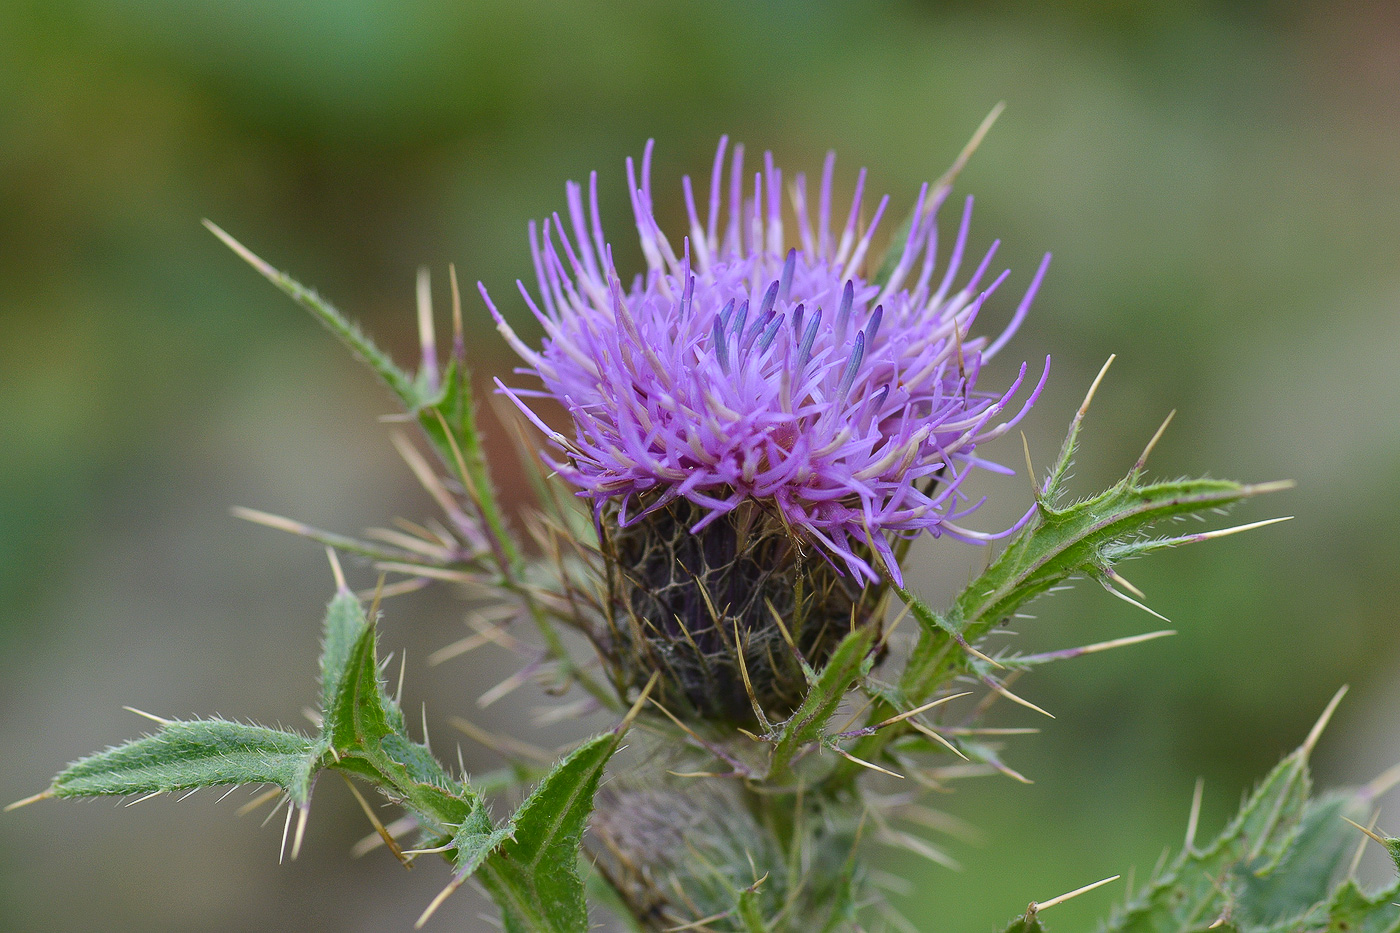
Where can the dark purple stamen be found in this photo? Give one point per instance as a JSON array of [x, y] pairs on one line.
[[769, 297], [873, 327], [721, 351], [848, 378], [804, 352], [770, 333], [785, 282], [843, 313]]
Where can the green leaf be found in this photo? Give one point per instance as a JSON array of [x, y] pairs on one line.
[[366, 730], [1198, 887], [475, 839], [358, 714], [201, 753], [345, 623], [847, 663], [1273, 868], [1302, 874], [1084, 538], [1351, 910], [534, 876]]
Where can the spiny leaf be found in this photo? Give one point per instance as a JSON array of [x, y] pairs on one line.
[[1351, 910], [475, 839], [200, 753], [1302, 874], [366, 729], [358, 714], [534, 876], [847, 663], [1271, 868], [345, 623], [1084, 538]]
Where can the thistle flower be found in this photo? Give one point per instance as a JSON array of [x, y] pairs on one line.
[[754, 401]]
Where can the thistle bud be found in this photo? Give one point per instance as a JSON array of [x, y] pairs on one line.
[[723, 613]]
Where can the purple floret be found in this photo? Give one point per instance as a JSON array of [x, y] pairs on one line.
[[738, 368]]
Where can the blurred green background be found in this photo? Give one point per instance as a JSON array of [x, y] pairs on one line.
[[1220, 184]]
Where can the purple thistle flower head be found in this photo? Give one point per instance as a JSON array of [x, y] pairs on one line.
[[737, 369]]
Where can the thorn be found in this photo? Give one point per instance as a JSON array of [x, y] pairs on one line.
[[977, 654], [1013, 697], [1132, 602], [35, 798], [379, 827], [494, 633], [1054, 901], [980, 134], [782, 626], [505, 687], [1147, 451], [933, 734], [863, 763], [373, 841], [459, 343], [301, 831], [373, 616], [1361, 846], [151, 716], [1093, 387], [427, 743], [927, 706], [443, 895], [1226, 532], [258, 801], [398, 693], [914, 844], [1278, 485], [339, 574], [427, 339], [899, 617], [1094, 648], [286, 825], [273, 812], [744, 671], [1316, 733], [462, 472], [1030, 469], [244, 252], [636, 709], [1125, 583], [1195, 818], [1370, 832]]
